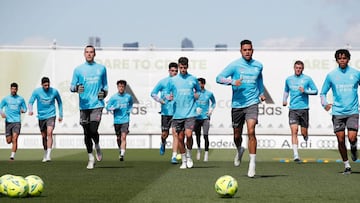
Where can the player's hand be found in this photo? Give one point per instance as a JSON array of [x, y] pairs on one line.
[[301, 89], [209, 112], [31, 113], [196, 95], [80, 89], [198, 110], [102, 94], [328, 107], [3, 115], [262, 98], [284, 103], [238, 82], [60, 120]]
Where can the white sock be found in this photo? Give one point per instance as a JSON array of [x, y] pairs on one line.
[[188, 153], [183, 157], [48, 152], [174, 154], [252, 158], [122, 152], [347, 164], [295, 149], [97, 146], [12, 154], [91, 157]]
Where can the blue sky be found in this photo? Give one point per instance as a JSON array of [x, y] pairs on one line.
[[164, 23]]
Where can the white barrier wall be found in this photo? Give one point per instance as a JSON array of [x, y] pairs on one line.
[[143, 69]]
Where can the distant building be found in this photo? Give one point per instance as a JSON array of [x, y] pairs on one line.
[[95, 41], [187, 45], [220, 47], [133, 46]]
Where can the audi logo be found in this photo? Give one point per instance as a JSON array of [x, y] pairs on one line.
[[327, 144], [266, 143]]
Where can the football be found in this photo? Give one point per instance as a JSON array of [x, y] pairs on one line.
[[226, 186], [36, 185], [16, 186]]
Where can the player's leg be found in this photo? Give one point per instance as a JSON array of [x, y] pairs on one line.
[[50, 125], [14, 140], [189, 127], [295, 141], [124, 133], [174, 146], [165, 126], [197, 130], [238, 119], [180, 131], [206, 126], [352, 125], [340, 135], [95, 119], [252, 145]]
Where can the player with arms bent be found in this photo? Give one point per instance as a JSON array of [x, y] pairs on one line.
[[90, 82], [344, 82], [248, 91]]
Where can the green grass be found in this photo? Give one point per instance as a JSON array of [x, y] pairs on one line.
[[145, 176]]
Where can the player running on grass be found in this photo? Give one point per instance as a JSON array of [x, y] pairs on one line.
[[299, 86], [46, 97], [167, 111], [11, 108], [205, 106], [90, 82], [185, 89], [343, 82], [120, 104], [248, 91]]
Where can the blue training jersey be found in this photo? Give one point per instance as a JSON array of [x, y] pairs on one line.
[[206, 97], [183, 87], [12, 106], [94, 79], [344, 84], [299, 100], [46, 103], [167, 109], [120, 105], [250, 73]]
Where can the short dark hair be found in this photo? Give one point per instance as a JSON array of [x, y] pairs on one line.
[[90, 46], [173, 65], [340, 52], [202, 80], [14, 84], [45, 80], [245, 41], [298, 62], [123, 82], [183, 61]]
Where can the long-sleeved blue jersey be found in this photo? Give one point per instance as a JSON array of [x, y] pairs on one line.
[[206, 97], [94, 79], [12, 106], [167, 109], [183, 87], [121, 105], [251, 88], [46, 103], [299, 100], [344, 84]]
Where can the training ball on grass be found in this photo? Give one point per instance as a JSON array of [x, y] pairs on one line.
[[178, 157], [36, 185], [226, 186], [16, 186]]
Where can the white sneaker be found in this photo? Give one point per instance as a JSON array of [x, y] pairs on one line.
[[44, 158], [90, 164], [206, 156], [189, 162], [251, 171], [198, 154], [183, 165], [238, 156]]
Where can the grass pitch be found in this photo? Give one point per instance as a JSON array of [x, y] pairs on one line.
[[145, 176]]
